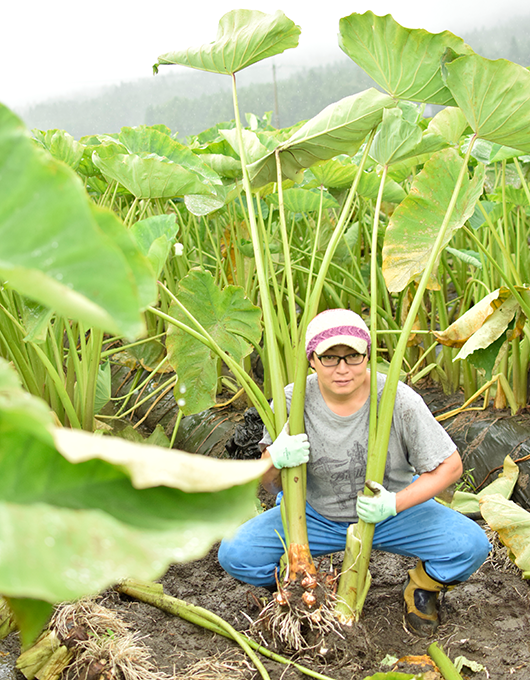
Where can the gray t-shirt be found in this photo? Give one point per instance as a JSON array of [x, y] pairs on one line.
[[338, 448]]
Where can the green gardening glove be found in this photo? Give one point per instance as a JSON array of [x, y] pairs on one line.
[[373, 509], [289, 450]]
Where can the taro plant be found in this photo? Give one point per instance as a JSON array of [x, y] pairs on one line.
[[341, 128], [443, 195]]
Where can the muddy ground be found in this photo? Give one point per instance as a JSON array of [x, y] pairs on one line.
[[486, 620]]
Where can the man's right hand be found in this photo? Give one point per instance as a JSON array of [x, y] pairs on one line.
[[289, 450]]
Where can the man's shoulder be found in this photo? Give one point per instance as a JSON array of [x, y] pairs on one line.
[[312, 390]]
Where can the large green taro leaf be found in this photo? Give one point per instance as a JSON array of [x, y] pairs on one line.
[[150, 140], [229, 318], [52, 248], [449, 123], [430, 143], [25, 412], [253, 146], [396, 138], [338, 129], [224, 166], [244, 37], [489, 153], [494, 97], [79, 512], [148, 175], [204, 205], [305, 200], [154, 237], [369, 188], [339, 173], [416, 222], [405, 62], [61, 145], [139, 265]]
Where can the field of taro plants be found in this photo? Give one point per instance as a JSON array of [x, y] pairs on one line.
[[183, 264]]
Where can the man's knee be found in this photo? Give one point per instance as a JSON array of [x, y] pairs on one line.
[[234, 559], [467, 551]]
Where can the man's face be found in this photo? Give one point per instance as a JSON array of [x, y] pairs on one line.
[[342, 380]]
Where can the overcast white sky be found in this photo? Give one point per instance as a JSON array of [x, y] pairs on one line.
[[60, 46]]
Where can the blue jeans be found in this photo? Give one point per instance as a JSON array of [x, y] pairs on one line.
[[450, 545]]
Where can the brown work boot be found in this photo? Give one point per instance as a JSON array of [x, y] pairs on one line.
[[421, 594]]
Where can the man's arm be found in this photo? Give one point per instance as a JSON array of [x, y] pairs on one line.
[[429, 484], [384, 504]]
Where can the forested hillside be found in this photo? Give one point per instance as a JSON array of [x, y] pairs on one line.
[[189, 102], [298, 98]]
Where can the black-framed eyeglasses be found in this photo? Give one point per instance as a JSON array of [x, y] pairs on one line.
[[329, 360]]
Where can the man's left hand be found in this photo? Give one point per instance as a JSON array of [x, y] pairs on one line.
[[381, 506]]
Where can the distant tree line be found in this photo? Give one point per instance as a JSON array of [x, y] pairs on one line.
[[193, 101], [299, 97]]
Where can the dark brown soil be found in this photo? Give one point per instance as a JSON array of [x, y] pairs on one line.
[[486, 620]]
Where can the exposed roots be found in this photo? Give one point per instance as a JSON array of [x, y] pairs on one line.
[[120, 658], [301, 619], [74, 622], [232, 664], [100, 645], [297, 627]]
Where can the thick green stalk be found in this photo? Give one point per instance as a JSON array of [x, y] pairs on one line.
[[296, 416], [13, 345], [444, 663], [92, 359], [153, 593], [58, 381], [293, 479], [286, 255], [129, 218], [281, 328], [316, 239], [273, 353], [373, 316], [347, 596], [338, 233], [353, 594], [375, 468]]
